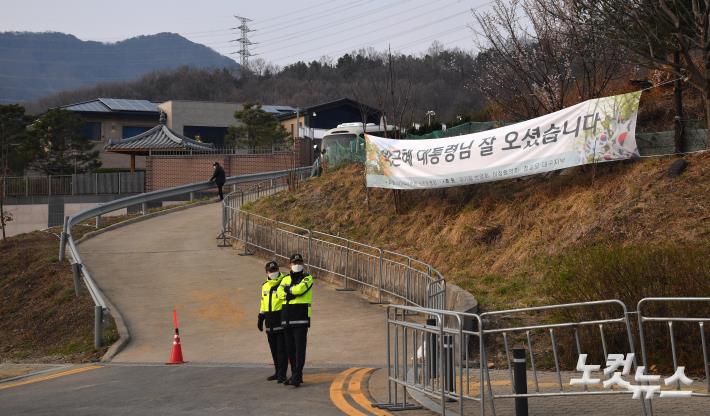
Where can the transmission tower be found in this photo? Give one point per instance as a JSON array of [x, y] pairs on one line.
[[243, 40]]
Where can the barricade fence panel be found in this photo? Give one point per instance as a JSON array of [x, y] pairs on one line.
[[381, 274], [429, 353], [468, 368]]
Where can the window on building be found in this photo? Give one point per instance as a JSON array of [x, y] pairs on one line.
[[206, 134], [130, 131], [92, 130]]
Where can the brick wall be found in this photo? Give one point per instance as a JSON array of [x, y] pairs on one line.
[[168, 171]]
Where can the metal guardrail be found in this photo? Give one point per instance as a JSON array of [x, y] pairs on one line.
[[66, 239], [223, 151], [431, 353], [79, 184], [373, 270]]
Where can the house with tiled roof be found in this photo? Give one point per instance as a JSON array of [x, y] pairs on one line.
[[157, 139], [113, 120]]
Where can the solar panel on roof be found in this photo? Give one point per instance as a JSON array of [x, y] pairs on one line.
[[90, 106], [120, 104]]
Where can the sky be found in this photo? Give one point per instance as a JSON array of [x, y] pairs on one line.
[[283, 31]]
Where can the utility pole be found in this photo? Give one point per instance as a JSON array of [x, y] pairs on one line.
[[243, 40]]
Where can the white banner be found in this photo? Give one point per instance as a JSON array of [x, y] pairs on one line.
[[593, 131]]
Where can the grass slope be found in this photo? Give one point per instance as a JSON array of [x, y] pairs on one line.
[[42, 320], [621, 230]]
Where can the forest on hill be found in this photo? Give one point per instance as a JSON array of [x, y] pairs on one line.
[[34, 65]]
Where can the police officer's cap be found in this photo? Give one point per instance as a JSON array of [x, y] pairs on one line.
[[271, 266], [296, 257]]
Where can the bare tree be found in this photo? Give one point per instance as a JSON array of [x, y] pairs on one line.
[[668, 35], [534, 61]]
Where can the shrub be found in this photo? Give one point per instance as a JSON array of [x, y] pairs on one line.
[[630, 272]]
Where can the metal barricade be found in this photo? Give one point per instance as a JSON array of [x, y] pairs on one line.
[[434, 357], [382, 274], [430, 353]]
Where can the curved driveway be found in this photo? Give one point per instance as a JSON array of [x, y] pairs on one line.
[[172, 261]]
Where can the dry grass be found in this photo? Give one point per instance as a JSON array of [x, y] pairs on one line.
[[42, 320], [499, 240]]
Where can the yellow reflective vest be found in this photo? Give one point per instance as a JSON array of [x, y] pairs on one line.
[[295, 291], [271, 304]]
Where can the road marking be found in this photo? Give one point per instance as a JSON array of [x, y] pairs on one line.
[[350, 382], [337, 396], [356, 392], [49, 376]]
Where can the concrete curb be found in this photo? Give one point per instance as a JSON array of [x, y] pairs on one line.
[[124, 335]]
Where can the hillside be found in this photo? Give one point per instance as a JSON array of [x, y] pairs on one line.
[[437, 82], [37, 64], [621, 230], [42, 319]]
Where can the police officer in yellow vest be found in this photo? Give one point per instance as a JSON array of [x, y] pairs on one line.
[[270, 313], [295, 291]]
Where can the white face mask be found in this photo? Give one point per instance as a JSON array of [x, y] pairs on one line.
[[296, 268], [273, 275]]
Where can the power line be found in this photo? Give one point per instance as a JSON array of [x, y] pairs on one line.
[[430, 37], [349, 19], [316, 16], [290, 15], [321, 16], [369, 42], [383, 38]]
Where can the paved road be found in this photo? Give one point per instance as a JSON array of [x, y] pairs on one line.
[[172, 261], [170, 390]]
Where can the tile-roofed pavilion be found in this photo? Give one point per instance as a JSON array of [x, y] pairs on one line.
[[159, 137]]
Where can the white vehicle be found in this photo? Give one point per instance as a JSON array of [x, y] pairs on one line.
[[346, 132], [340, 143]]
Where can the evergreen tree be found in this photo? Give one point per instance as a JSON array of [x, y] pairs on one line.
[[13, 154], [258, 129], [60, 144]]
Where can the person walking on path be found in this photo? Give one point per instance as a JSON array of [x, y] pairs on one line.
[[295, 291], [219, 178], [270, 314]]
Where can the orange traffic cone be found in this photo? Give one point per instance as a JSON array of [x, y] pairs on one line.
[[176, 352]]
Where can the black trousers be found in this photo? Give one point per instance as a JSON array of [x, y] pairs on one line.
[[219, 189], [277, 344], [296, 339]]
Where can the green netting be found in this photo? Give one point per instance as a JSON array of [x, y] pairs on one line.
[[466, 128], [337, 154]]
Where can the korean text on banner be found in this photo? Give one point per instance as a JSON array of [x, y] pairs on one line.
[[593, 131]]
